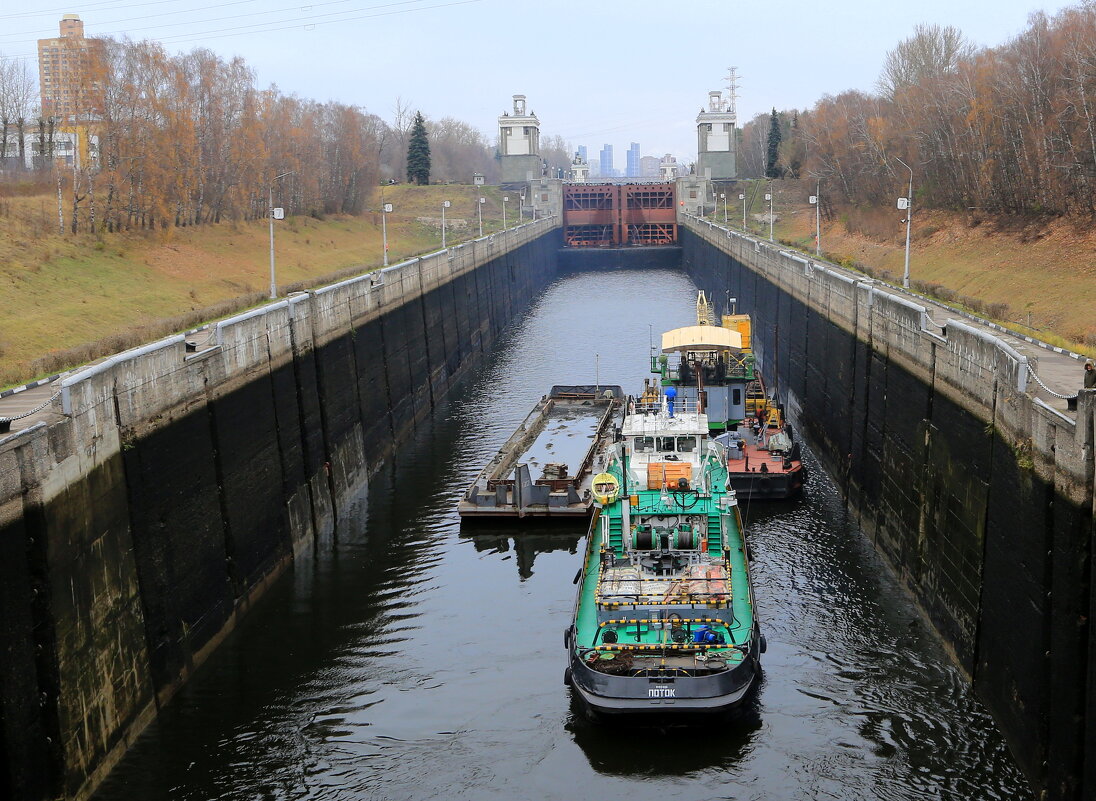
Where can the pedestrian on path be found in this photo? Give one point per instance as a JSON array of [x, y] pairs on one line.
[[1090, 376]]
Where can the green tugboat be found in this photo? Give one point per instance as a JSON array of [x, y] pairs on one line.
[[665, 624]]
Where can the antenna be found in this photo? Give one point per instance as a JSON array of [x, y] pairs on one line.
[[732, 91]]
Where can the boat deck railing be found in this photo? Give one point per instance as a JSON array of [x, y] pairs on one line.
[[682, 405], [739, 367]]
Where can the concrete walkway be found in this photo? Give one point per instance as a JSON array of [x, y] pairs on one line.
[[20, 401], [1060, 371]]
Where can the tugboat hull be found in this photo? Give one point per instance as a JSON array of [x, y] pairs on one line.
[[620, 698], [608, 697]]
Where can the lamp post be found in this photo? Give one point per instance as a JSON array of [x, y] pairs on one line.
[[816, 202], [444, 205], [742, 197], [479, 213], [504, 199], [723, 197], [386, 209], [280, 215], [769, 197], [906, 204]]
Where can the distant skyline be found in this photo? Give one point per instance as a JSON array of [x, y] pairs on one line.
[[466, 58]]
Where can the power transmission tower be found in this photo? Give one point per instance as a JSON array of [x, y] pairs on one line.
[[732, 92]]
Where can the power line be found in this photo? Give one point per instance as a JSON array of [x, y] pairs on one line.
[[305, 22], [218, 19], [191, 11], [110, 6], [623, 126], [302, 23]]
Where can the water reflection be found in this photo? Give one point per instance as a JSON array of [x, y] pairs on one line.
[[525, 542], [631, 750]]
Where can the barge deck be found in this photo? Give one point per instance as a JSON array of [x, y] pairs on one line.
[[560, 440]]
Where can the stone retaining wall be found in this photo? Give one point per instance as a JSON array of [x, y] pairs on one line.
[[175, 486], [979, 494]]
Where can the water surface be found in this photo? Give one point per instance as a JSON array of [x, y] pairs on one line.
[[414, 660]]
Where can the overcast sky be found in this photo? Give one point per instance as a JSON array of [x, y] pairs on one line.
[[597, 71]]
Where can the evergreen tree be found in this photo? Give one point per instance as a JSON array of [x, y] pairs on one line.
[[771, 170], [418, 152]]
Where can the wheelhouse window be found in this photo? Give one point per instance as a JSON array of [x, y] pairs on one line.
[[686, 444], [643, 444]]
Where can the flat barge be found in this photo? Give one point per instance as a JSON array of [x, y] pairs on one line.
[[567, 432]]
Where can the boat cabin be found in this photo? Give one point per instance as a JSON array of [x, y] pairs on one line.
[[708, 364], [664, 450]]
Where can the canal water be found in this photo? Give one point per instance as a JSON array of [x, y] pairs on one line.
[[415, 659]]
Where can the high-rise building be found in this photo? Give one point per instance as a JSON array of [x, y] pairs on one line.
[[70, 70], [632, 167], [606, 160], [648, 167], [582, 152]]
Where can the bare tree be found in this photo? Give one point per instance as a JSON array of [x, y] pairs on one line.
[[556, 152], [17, 93], [394, 154], [932, 51]]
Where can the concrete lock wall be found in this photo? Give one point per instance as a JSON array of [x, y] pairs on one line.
[[175, 486], [978, 494]]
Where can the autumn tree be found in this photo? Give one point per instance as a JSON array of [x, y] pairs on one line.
[[1009, 129], [418, 152]]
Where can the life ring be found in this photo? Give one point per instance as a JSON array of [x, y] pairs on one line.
[[606, 488]]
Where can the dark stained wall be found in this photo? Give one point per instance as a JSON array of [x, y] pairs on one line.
[[947, 468], [174, 487]]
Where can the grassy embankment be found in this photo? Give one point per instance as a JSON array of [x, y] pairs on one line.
[[67, 299], [1037, 276]]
